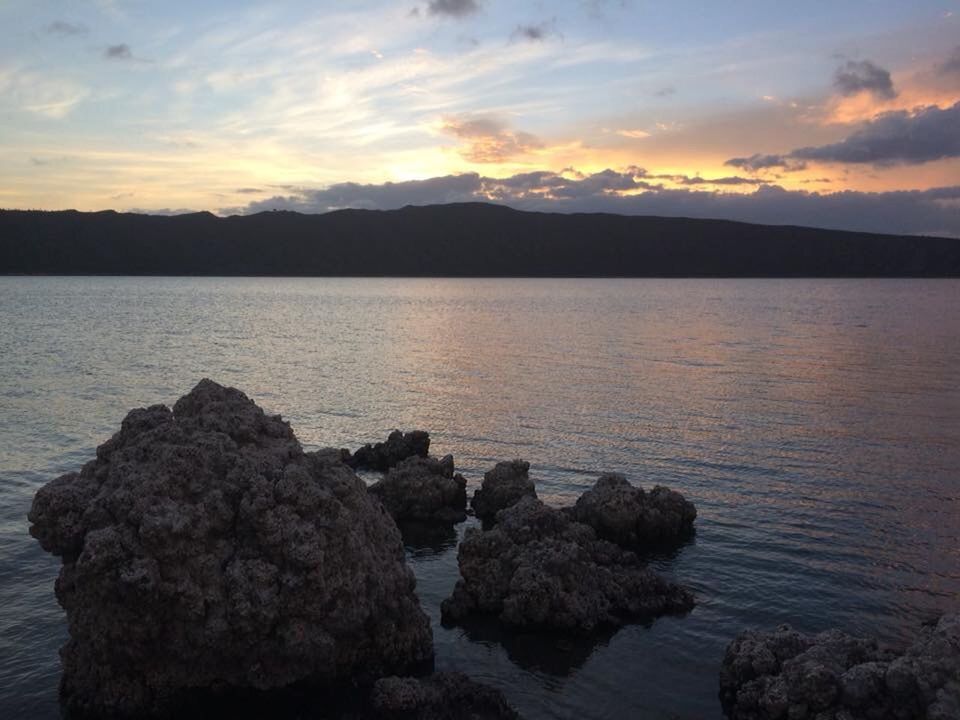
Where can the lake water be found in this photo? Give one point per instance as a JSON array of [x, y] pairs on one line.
[[815, 424]]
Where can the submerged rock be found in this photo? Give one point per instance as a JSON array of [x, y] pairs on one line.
[[398, 446], [423, 490], [443, 696], [538, 568], [625, 514], [833, 676], [502, 487], [202, 548]]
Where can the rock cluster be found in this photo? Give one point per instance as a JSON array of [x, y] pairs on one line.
[[384, 455], [423, 490], [625, 514], [203, 548], [502, 487], [537, 568], [443, 696], [784, 675]]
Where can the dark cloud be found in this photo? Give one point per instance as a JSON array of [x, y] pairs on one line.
[[453, 8], [950, 66], [863, 76], [488, 140], [896, 138], [534, 32], [666, 92], [248, 191], [64, 28], [932, 212], [760, 161], [118, 52]]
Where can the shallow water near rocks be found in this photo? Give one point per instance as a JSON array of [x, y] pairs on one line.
[[815, 424]]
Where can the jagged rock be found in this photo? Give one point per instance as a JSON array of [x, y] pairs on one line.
[[538, 568], [502, 487], [398, 446], [833, 676], [332, 455], [423, 490], [628, 516], [202, 548], [443, 696]]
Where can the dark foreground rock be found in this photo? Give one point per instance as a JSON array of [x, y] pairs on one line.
[[443, 696], [502, 487], [784, 675], [629, 516], [398, 446], [202, 548], [537, 568], [423, 490]]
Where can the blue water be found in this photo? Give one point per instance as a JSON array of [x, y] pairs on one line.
[[816, 425]]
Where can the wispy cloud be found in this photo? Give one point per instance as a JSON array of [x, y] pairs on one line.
[[453, 8], [855, 77], [118, 52], [65, 29], [488, 140]]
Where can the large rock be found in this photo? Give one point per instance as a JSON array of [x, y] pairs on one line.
[[784, 675], [443, 696], [502, 487], [424, 491], [398, 446], [537, 568], [628, 516], [202, 548]]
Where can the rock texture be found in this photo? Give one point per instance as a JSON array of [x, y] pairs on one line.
[[628, 516], [538, 568], [443, 696], [398, 446], [424, 490], [784, 675], [202, 548], [502, 487]]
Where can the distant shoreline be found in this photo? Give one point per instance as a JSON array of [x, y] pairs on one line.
[[467, 240]]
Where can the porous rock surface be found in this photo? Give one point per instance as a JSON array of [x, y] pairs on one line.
[[629, 516], [423, 490], [442, 696], [785, 675], [202, 548], [502, 487], [537, 568], [398, 446]]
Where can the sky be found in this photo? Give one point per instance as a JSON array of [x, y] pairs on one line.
[[831, 113]]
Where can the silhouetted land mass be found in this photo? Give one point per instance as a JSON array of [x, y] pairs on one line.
[[470, 239]]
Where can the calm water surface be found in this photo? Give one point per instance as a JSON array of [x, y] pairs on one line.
[[816, 425]]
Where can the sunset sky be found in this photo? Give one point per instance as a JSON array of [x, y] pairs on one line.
[[837, 114]]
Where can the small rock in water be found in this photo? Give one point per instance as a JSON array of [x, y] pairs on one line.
[[398, 446], [625, 514], [784, 675], [423, 490], [502, 487], [538, 568], [203, 548]]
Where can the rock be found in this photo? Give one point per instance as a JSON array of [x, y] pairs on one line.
[[502, 487], [443, 696], [537, 568], [332, 455], [833, 676], [398, 446], [202, 548], [626, 515], [423, 490]]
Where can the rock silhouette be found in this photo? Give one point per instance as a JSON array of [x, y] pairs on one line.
[[443, 696], [398, 446], [502, 487], [537, 568], [423, 490], [629, 516], [833, 676], [203, 548]]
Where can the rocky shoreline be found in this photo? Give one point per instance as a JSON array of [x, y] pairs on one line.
[[204, 551]]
